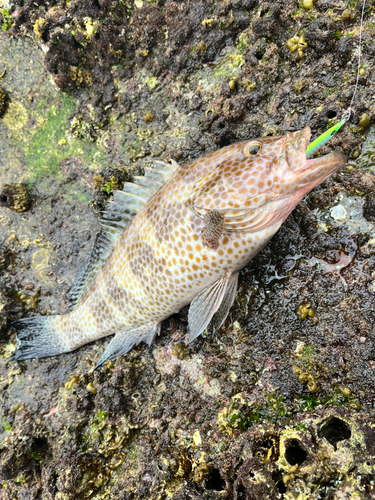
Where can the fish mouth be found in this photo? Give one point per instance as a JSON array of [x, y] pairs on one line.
[[319, 169], [312, 171]]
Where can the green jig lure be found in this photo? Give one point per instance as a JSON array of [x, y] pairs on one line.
[[327, 135]]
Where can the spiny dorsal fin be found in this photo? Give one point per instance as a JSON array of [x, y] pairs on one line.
[[120, 211]]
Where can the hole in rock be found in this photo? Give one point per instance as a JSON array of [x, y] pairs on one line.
[[335, 430], [331, 113], [241, 493], [215, 481], [281, 486], [259, 54], [294, 453]]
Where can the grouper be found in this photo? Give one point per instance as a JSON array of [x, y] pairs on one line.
[[179, 236]]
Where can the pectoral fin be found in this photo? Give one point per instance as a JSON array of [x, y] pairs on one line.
[[205, 305], [227, 302]]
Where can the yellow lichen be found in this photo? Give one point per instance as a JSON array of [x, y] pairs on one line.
[[90, 26], [232, 83], [148, 116], [197, 438], [80, 76], [304, 310], [201, 472], [307, 4], [91, 388], [248, 85], [71, 382], [297, 42], [39, 27], [207, 22], [16, 116], [364, 120]]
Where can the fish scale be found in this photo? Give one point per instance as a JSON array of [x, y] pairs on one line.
[[179, 235]]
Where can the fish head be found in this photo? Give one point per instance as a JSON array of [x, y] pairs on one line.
[[259, 182]]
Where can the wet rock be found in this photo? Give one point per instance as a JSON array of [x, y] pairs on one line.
[[320, 34], [369, 208], [268, 24], [3, 101], [16, 197], [273, 404], [5, 257]]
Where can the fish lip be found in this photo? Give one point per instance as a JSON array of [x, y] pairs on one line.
[[329, 163]]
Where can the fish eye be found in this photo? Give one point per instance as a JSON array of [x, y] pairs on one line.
[[253, 148]]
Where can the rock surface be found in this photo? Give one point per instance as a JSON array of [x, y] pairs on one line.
[[280, 403]]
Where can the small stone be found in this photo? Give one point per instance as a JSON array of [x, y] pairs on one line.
[[338, 212]]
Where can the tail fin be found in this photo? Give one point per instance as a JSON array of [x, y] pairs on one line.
[[37, 338]]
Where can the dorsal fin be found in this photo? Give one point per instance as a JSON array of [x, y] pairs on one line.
[[120, 211]]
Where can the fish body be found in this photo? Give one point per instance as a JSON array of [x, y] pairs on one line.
[[194, 228]]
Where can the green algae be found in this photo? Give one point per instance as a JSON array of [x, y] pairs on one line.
[[49, 146]]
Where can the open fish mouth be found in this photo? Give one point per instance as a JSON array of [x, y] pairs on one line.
[[319, 169]]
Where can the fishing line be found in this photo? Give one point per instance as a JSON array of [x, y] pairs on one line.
[[326, 136]]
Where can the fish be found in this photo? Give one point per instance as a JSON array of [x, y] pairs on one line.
[[177, 236]]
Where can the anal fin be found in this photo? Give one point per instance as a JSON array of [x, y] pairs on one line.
[[126, 339], [205, 305]]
